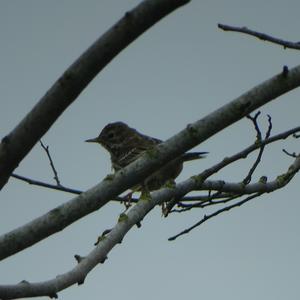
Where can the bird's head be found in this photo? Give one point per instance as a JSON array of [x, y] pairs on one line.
[[113, 136]]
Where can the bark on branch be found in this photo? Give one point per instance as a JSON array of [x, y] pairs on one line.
[[18, 143], [126, 222], [195, 133]]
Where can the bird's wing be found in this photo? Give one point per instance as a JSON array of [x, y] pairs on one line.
[[129, 156]]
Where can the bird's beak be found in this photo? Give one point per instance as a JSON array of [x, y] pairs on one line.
[[94, 140]]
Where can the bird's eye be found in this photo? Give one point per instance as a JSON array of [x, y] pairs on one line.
[[110, 136]]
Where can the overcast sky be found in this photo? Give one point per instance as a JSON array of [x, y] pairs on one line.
[[177, 72]]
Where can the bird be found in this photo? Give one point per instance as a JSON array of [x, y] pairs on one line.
[[126, 144]]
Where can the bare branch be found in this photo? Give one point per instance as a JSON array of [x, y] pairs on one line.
[[240, 155], [275, 138], [255, 123], [118, 199], [47, 185], [62, 94], [17, 144], [85, 264], [255, 189], [258, 141], [186, 207], [64, 215], [207, 217], [61, 187], [134, 216], [46, 148], [289, 153], [261, 36]]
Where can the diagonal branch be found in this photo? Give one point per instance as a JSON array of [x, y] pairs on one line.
[[85, 264], [125, 223], [195, 133], [261, 36], [226, 198], [256, 189], [46, 148], [214, 214], [60, 187], [18, 143], [47, 185], [228, 160]]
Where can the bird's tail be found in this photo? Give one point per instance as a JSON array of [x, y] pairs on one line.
[[193, 155]]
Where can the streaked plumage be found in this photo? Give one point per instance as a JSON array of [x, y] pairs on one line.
[[126, 144]]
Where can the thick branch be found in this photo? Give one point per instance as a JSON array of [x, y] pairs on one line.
[[85, 264], [195, 133], [228, 160], [135, 215], [17, 144]]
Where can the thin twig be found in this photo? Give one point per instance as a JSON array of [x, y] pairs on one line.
[[77, 192], [60, 187], [225, 162], [240, 155], [259, 141], [207, 217], [204, 198], [289, 153], [187, 207], [261, 36], [47, 185], [255, 123], [46, 148]]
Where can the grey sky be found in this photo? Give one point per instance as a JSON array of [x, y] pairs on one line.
[[177, 72]]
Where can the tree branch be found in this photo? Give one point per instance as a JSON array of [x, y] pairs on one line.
[[214, 214], [46, 148], [47, 185], [111, 187], [227, 197], [261, 145], [60, 187], [256, 189], [261, 36], [125, 223], [17, 144], [228, 160], [85, 264]]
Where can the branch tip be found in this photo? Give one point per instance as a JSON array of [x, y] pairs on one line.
[[294, 155], [46, 148], [262, 36]]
